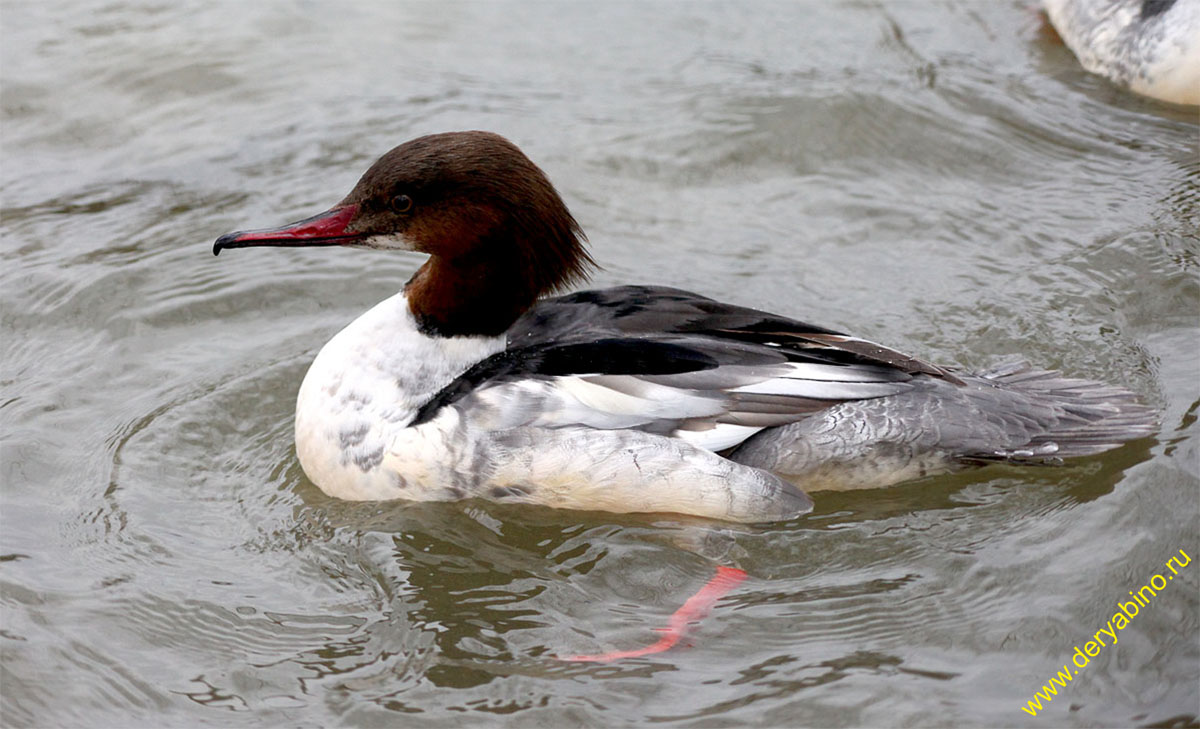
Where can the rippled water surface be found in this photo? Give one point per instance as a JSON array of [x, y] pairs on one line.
[[940, 177]]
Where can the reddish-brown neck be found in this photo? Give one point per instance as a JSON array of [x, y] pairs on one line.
[[497, 233], [457, 297], [490, 261]]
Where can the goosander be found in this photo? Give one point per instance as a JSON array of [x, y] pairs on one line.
[[470, 382], [1150, 46]]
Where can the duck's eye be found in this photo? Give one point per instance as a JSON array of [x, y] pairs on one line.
[[402, 204]]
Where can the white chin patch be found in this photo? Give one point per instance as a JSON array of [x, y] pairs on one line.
[[389, 242]]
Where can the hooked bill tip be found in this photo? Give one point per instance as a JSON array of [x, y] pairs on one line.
[[225, 241]]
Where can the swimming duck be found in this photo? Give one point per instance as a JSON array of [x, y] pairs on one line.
[[1151, 47], [474, 382]]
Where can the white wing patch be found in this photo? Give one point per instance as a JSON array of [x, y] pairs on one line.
[[651, 401], [839, 373], [717, 438], [713, 409], [818, 390]]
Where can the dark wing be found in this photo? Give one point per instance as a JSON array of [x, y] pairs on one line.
[[638, 311], [670, 362]]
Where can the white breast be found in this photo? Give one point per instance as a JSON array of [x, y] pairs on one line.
[[364, 387]]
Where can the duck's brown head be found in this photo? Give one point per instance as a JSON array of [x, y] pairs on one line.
[[497, 233]]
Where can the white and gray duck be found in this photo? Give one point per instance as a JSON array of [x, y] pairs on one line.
[[1151, 47], [473, 382]]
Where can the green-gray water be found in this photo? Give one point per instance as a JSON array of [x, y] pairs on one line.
[[939, 177]]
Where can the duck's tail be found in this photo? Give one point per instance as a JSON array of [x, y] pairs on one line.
[[1087, 417], [1011, 413]]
